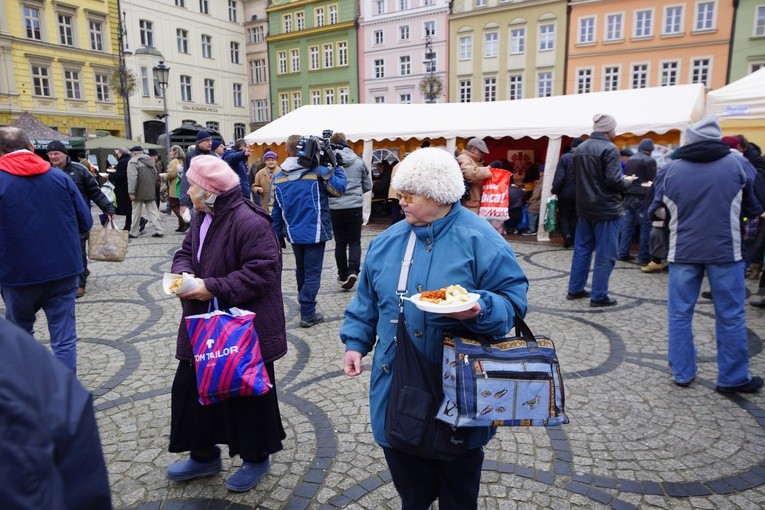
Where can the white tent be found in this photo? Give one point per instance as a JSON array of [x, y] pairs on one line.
[[740, 106], [637, 111]]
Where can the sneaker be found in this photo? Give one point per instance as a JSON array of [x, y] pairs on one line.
[[706, 294], [652, 267], [341, 281], [685, 384], [158, 235], [312, 321], [577, 295], [753, 386], [530, 233], [80, 292], [190, 468], [248, 475], [142, 224], [626, 258], [599, 303], [131, 236], [184, 228], [350, 282], [757, 301]]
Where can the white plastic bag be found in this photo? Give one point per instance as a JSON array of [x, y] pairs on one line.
[[108, 190]]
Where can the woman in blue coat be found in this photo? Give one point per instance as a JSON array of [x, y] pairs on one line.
[[453, 246]]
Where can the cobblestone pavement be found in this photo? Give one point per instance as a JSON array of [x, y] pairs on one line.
[[635, 439]]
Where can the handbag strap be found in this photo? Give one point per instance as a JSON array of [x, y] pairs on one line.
[[406, 264]]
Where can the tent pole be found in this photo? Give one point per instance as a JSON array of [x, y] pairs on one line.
[[551, 164], [366, 207]]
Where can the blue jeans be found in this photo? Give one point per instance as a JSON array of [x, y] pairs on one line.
[[56, 299], [600, 237], [309, 259], [728, 289], [634, 214]]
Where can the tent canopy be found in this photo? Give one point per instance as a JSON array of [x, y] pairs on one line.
[[742, 99], [114, 143], [638, 111], [41, 135]]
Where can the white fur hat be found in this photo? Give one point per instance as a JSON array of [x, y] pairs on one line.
[[430, 172]]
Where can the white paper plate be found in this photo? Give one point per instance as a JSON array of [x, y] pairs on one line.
[[189, 283], [425, 306]]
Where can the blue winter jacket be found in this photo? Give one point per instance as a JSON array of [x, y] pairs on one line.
[[238, 163], [706, 189], [42, 215], [301, 203], [460, 248]]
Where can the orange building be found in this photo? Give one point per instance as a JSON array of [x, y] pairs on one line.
[[622, 44]]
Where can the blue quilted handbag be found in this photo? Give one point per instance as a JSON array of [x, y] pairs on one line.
[[513, 381]]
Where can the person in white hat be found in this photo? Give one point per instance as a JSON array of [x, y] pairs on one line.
[[474, 172]]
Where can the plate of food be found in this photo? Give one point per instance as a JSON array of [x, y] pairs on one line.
[[453, 298], [178, 283]]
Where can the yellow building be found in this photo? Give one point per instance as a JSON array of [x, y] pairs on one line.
[[57, 61]]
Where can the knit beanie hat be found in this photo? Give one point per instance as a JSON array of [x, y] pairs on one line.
[[603, 123], [216, 144], [212, 174], [704, 130], [576, 142], [202, 135], [432, 173], [646, 145], [269, 155], [54, 146], [732, 141]]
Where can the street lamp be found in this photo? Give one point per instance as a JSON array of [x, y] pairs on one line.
[[430, 85], [162, 75]]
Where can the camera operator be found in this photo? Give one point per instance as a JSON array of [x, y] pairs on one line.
[[346, 212], [308, 177]]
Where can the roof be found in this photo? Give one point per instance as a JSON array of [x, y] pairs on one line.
[[741, 99], [639, 111], [41, 135]]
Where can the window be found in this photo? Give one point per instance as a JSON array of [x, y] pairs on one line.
[[319, 17], [287, 22], [673, 20], [343, 95], [315, 97], [342, 53], [65, 31], [490, 41], [378, 37], [643, 23], [182, 36], [209, 91], [490, 89], [403, 5], [480, 3], [466, 47], [186, 88], [96, 35], [146, 31], [332, 14], [180, 3], [614, 27], [102, 88], [237, 96], [759, 22], [430, 28], [380, 6], [235, 53], [705, 16], [583, 81], [700, 71], [145, 81], [379, 99], [517, 41], [300, 21], [72, 84], [403, 33], [258, 71], [544, 84], [204, 7], [284, 103], [256, 34], [281, 57], [32, 24], [261, 110], [430, 65], [515, 86], [41, 80], [405, 98], [295, 60], [314, 54], [213, 125], [297, 100], [611, 75], [465, 88], [232, 11], [379, 68], [586, 34], [207, 46], [669, 72], [238, 131], [329, 96], [639, 76], [329, 54], [405, 65], [547, 37]]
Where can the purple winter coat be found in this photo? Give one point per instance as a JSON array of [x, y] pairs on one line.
[[241, 264]]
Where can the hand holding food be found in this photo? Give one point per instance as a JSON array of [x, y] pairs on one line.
[[450, 295], [176, 284]]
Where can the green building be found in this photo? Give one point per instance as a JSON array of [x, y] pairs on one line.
[[748, 44]]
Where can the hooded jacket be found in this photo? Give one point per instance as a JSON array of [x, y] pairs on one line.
[[241, 264], [599, 184], [42, 215], [238, 163], [301, 201], [142, 175], [358, 181]]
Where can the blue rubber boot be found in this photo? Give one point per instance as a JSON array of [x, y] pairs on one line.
[[190, 468], [248, 475]]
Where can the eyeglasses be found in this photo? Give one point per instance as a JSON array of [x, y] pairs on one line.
[[406, 196]]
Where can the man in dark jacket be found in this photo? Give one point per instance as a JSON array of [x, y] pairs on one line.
[[237, 159], [42, 215], [203, 146], [50, 450], [564, 186], [640, 173], [120, 180], [600, 190], [89, 189]]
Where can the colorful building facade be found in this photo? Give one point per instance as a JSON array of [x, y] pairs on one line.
[[258, 83], [748, 44]]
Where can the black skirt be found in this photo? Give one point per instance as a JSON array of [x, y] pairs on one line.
[[250, 426]]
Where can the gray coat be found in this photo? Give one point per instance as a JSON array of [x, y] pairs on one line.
[[142, 176], [358, 181]]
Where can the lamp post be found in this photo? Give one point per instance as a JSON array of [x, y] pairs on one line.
[[430, 86], [162, 74]]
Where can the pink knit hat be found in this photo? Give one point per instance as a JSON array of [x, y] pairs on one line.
[[212, 174]]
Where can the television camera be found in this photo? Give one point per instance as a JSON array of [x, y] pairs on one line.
[[314, 150]]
